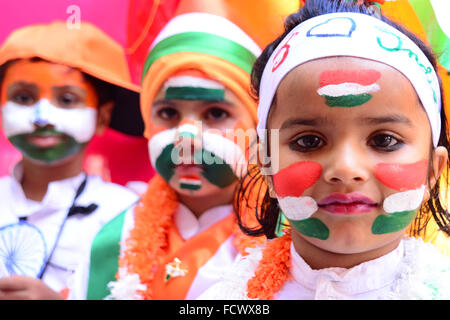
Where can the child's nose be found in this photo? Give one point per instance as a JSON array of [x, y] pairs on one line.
[[346, 165], [188, 137], [43, 114]]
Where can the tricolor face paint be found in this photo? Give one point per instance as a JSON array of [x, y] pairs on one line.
[[348, 88], [371, 182], [48, 110], [290, 183], [191, 156], [401, 207], [193, 145], [192, 85]]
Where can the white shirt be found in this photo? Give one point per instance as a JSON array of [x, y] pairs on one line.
[[48, 215], [188, 226], [414, 270]]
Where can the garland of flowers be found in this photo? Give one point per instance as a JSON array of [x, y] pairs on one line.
[[273, 269], [145, 250], [241, 241]]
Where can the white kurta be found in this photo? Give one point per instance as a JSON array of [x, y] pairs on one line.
[[47, 216], [414, 270], [188, 225]]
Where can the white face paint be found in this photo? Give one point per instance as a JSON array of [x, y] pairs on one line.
[[298, 208], [79, 123], [404, 201]]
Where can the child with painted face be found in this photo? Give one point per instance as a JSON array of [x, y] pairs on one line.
[[350, 110], [57, 92], [195, 102]]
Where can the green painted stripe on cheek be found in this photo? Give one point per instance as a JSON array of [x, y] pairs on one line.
[[393, 222], [347, 100], [164, 165], [215, 169], [311, 227], [195, 93]]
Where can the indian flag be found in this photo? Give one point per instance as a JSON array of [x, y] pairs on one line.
[[193, 85], [348, 88], [190, 182], [290, 183]]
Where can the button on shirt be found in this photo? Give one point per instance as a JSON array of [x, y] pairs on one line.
[[48, 216]]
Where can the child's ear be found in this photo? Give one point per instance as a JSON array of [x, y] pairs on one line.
[[438, 164], [104, 116]]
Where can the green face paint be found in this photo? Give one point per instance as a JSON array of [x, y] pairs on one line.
[[393, 222], [216, 172], [164, 164], [67, 147], [347, 101], [192, 93], [311, 227]]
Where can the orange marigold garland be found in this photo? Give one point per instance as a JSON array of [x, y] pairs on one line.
[[146, 244], [273, 269]]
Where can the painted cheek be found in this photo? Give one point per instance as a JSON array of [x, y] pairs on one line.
[[295, 179], [402, 177]]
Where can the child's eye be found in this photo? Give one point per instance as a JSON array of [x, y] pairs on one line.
[[68, 99], [385, 142], [23, 98], [168, 113], [307, 143], [216, 114]]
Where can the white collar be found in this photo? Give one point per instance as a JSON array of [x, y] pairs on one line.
[[59, 193], [342, 283], [189, 225]]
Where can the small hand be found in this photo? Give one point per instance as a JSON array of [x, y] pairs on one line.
[[26, 288]]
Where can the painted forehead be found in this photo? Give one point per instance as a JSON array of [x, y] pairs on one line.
[[43, 72], [192, 85], [45, 76]]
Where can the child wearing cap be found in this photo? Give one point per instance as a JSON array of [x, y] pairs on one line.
[[58, 89]]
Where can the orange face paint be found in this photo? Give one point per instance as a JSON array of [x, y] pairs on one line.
[[46, 80]]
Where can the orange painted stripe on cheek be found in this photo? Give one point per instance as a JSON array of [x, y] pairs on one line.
[[295, 179], [402, 177]]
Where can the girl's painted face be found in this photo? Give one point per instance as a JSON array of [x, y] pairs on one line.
[[49, 111], [196, 143], [354, 153]]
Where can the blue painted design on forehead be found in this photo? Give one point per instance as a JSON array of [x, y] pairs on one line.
[[328, 25]]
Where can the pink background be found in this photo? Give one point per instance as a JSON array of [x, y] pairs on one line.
[[115, 156]]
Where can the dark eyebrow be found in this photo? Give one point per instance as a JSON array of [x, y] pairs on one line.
[[162, 102], [396, 118], [77, 89], [302, 122], [22, 84]]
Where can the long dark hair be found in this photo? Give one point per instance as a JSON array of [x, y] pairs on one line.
[[252, 196]]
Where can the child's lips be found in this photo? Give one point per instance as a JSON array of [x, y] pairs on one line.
[[186, 169], [347, 204], [45, 141]]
